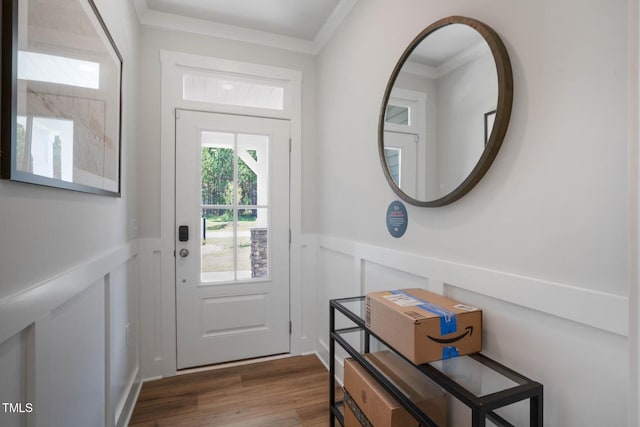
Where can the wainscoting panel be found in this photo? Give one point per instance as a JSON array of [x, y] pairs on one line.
[[70, 362], [124, 367], [376, 277], [303, 314], [13, 377], [571, 339], [584, 369], [151, 307], [69, 346], [596, 309]]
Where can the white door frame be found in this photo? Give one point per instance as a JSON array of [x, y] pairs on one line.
[[174, 64], [634, 212], [425, 152]]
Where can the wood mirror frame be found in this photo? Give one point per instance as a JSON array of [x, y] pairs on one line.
[[502, 115]]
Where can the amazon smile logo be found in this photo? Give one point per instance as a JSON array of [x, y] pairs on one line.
[[469, 331]]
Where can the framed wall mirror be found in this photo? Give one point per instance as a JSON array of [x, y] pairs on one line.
[[445, 111], [61, 97]]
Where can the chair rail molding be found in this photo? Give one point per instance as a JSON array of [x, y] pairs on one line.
[[600, 310]]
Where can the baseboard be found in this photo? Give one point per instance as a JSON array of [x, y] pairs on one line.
[[339, 363], [129, 403]]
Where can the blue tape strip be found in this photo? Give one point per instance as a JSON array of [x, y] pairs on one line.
[[448, 319], [449, 352]]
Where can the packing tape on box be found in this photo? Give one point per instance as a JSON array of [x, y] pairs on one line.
[[449, 352], [448, 319]]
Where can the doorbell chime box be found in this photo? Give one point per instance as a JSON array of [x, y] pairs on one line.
[[424, 326]]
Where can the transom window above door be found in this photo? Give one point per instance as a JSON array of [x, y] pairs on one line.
[[228, 90]]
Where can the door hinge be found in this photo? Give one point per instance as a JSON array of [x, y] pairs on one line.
[[290, 327], [289, 144]]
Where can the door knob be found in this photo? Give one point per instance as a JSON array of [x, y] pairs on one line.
[[184, 252]]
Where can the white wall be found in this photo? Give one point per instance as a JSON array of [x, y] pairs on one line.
[[68, 283], [465, 94], [541, 242]]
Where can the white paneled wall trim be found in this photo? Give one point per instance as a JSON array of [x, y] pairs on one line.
[[600, 310], [20, 310], [70, 345], [151, 308]]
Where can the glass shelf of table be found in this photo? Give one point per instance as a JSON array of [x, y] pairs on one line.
[[478, 382]]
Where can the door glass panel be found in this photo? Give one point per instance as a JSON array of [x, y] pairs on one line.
[[259, 247], [234, 209], [392, 156], [217, 168], [246, 221], [253, 170], [218, 245], [247, 178]]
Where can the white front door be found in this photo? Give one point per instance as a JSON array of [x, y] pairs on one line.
[[232, 237]]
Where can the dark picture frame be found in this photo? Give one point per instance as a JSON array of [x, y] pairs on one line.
[[489, 120], [61, 97]]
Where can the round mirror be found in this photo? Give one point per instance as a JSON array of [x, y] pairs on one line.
[[445, 111]]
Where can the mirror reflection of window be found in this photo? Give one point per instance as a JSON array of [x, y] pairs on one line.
[[393, 157], [398, 115], [45, 147], [57, 69], [489, 119], [23, 150]]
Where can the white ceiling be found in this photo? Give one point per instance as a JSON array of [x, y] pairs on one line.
[[301, 25], [445, 43]]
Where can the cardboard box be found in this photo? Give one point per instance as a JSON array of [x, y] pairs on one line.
[[368, 404], [427, 395], [351, 419], [424, 326]]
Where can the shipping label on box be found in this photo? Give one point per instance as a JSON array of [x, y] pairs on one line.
[[424, 326]]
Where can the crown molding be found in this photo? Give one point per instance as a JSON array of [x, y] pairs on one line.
[[175, 22], [141, 8], [332, 23], [464, 57]]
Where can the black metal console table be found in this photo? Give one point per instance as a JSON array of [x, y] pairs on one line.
[[477, 381]]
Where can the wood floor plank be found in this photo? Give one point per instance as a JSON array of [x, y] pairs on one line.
[[190, 384], [170, 405], [269, 386], [280, 393]]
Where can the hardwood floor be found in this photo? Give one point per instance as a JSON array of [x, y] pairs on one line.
[[279, 393]]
